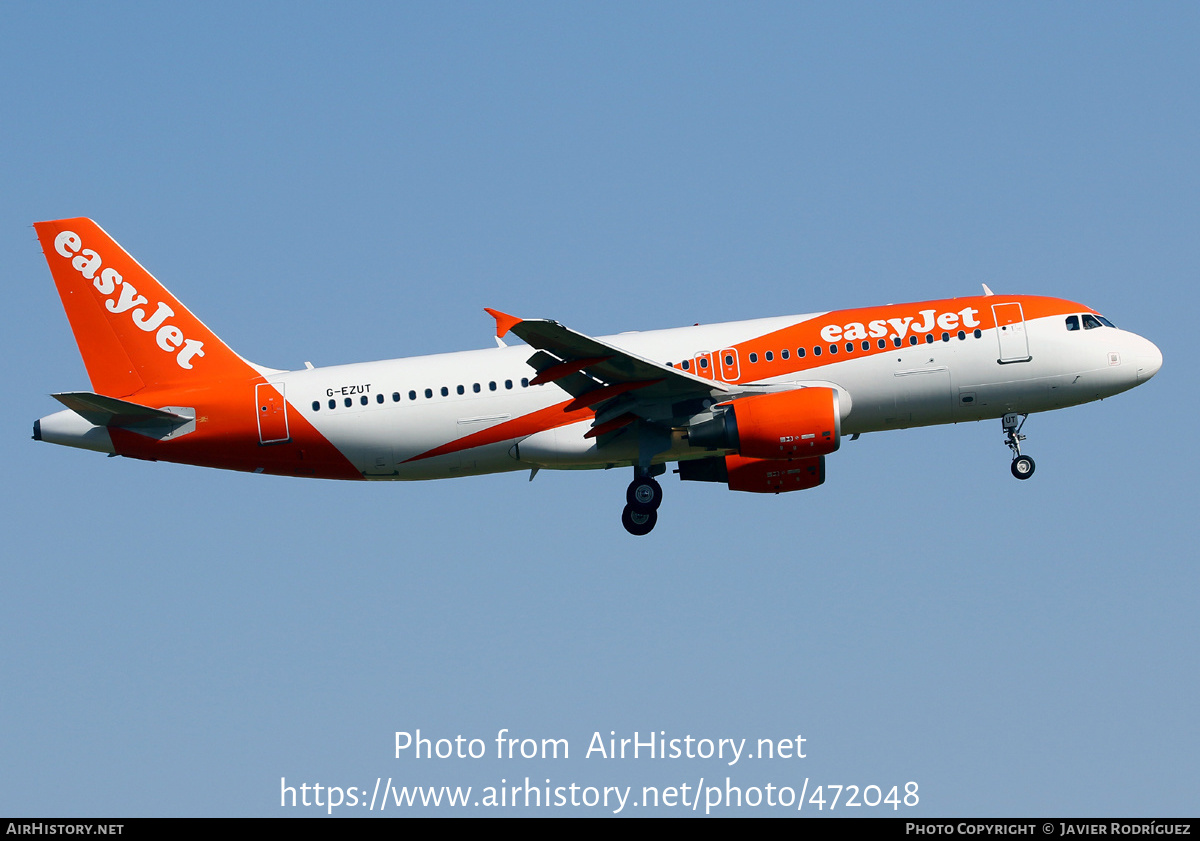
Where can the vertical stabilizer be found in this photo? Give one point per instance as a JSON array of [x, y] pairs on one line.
[[131, 332]]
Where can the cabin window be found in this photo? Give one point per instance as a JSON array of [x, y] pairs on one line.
[[882, 344], [461, 390], [524, 382], [754, 357], [445, 391], [912, 340], [833, 348], [769, 356], [412, 395], [508, 383], [687, 364], [896, 341], [929, 338], [492, 385], [363, 400], [978, 333], [428, 393], [704, 362], [945, 337], [316, 405], [961, 335], [333, 404], [349, 402], [396, 396], [783, 354], [817, 350], [378, 398], [866, 345], [476, 388], [799, 353]]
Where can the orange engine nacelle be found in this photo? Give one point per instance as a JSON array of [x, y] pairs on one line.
[[803, 423], [770, 475], [756, 475]]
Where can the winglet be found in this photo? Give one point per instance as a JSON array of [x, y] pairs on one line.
[[987, 291], [504, 321]]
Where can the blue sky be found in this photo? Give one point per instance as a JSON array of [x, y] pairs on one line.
[[338, 183]]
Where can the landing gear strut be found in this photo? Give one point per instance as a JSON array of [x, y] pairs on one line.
[[642, 499], [1022, 466]]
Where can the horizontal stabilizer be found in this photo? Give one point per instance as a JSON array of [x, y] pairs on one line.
[[109, 411]]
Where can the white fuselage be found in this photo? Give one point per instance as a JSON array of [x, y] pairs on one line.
[[912, 385]]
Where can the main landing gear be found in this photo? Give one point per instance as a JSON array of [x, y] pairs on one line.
[[1022, 466], [642, 500]]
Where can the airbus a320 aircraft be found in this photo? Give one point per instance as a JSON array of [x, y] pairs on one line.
[[755, 405]]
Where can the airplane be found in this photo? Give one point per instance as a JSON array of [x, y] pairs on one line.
[[755, 405]]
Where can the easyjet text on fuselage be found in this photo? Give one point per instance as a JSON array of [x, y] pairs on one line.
[[898, 328]]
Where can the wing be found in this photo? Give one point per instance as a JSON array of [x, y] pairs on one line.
[[621, 387]]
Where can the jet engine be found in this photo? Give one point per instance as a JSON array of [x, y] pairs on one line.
[[803, 423], [757, 475]]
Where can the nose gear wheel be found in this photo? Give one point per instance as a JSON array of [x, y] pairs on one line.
[[1022, 467]]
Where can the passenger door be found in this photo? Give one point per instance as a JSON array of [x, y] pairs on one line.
[[1010, 332]]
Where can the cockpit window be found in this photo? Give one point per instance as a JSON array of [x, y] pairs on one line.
[[1106, 322], [1072, 322], [1090, 321]]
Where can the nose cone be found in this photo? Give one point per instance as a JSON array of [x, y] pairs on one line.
[[1148, 358]]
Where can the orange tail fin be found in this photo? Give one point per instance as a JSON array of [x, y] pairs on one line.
[[131, 332]]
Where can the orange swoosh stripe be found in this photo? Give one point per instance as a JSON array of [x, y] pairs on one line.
[[551, 417]]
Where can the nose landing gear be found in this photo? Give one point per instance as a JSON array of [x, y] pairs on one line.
[[642, 498], [1022, 466]]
